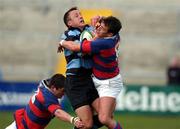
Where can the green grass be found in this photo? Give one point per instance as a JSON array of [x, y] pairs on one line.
[[127, 120]]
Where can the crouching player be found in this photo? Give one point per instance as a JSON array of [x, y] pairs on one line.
[[43, 106]]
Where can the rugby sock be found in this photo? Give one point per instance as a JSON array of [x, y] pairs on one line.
[[118, 126]]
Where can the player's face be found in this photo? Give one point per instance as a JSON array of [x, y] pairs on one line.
[[102, 30], [76, 19]]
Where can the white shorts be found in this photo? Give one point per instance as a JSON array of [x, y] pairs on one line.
[[109, 87], [12, 126]]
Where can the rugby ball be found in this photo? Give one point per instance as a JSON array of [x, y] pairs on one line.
[[86, 35]]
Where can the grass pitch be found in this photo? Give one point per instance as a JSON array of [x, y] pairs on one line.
[[128, 121]]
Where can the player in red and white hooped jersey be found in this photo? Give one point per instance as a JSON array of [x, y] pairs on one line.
[[43, 106], [106, 73]]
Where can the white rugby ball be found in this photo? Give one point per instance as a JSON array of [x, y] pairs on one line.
[[86, 35]]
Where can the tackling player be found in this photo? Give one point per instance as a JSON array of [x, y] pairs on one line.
[[43, 106]]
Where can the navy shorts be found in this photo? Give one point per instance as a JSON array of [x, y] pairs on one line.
[[80, 90]]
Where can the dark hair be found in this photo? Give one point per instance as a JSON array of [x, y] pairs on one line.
[[57, 80], [66, 15], [113, 24]]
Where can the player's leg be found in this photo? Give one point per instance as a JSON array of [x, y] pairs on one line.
[[89, 118], [106, 108], [77, 91], [85, 114], [94, 102], [108, 91], [12, 126], [96, 121], [94, 107]]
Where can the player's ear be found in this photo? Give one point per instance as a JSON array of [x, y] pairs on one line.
[[69, 23], [53, 88]]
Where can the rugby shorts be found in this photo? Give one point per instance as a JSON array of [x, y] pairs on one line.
[[12, 126], [80, 90], [108, 87]]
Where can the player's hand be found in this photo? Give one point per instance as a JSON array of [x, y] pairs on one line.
[[95, 20], [78, 123], [60, 48]]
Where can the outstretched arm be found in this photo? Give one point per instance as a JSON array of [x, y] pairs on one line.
[[69, 45], [64, 116]]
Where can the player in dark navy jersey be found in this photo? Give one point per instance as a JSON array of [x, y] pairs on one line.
[[106, 73], [44, 106]]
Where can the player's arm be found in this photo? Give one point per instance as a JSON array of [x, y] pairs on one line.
[[70, 45], [53, 106], [85, 46], [64, 116], [96, 46], [67, 36]]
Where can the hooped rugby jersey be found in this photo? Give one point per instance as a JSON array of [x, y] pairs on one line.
[[40, 110], [105, 64]]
